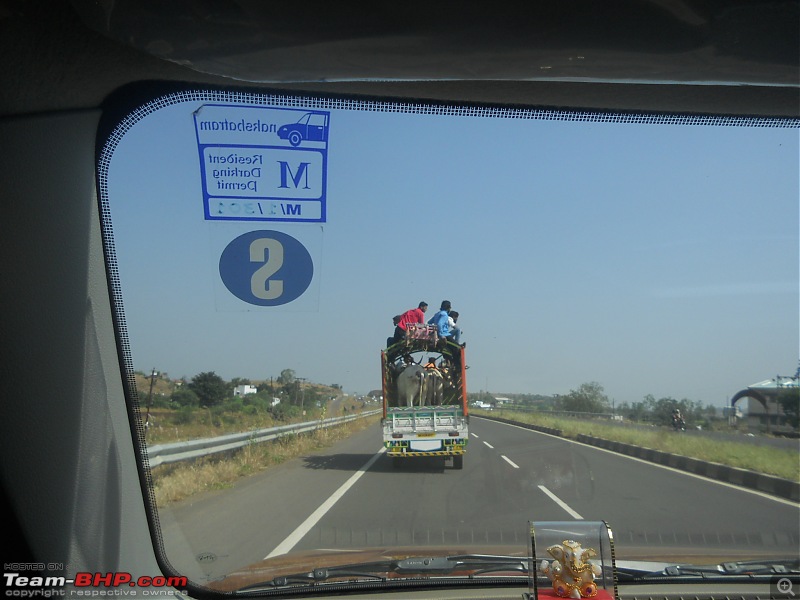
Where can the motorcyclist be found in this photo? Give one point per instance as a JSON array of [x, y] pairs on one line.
[[677, 419]]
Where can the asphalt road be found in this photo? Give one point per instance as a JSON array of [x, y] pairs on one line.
[[511, 475]]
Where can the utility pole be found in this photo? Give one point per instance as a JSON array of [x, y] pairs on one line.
[[149, 400], [302, 391]]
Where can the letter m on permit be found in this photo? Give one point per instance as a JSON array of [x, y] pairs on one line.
[[298, 176]]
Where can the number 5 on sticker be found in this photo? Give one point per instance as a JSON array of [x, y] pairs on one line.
[[266, 268]]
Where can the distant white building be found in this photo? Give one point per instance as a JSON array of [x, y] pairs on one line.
[[244, 390], [762, 408]]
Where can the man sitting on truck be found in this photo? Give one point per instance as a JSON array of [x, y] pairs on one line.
[[455, 330], [442, 321], [414, 315]]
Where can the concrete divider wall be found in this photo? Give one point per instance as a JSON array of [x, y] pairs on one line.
[[769, 484]]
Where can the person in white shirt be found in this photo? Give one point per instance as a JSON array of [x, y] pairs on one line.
[[455, 331]]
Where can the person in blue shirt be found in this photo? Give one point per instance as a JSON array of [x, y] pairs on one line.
[[441, 320]]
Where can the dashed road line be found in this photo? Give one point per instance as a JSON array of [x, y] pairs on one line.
[[560, 502], [732, 486], [488, 444], [509, 461], [294, 537]]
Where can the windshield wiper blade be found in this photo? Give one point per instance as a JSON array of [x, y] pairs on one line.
[[479, 564], [489, 563], [319, 574], [722, 570]]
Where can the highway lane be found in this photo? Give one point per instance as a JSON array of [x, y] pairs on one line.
[[213, 533], [511, 475], [648, 504]]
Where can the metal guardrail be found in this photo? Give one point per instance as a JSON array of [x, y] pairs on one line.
[[193, 449]]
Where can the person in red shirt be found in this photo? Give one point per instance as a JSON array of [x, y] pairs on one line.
[[415, 315]]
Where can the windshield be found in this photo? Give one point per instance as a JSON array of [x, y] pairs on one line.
[[615, 277]]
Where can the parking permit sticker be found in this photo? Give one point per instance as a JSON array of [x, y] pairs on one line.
[[263, 163], [267, 268]]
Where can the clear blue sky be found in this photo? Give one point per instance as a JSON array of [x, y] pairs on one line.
[[653, 259]]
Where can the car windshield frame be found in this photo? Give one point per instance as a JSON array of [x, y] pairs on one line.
[[133, 104]]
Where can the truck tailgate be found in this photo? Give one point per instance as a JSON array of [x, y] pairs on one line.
[[424, 419]]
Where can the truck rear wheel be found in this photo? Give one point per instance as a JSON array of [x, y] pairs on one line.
[[458, 462]]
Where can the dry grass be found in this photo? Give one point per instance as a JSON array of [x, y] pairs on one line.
[[166, 426], [182, 481], [762, 459], [170, 425]]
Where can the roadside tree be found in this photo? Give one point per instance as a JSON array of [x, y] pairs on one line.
[[185, 397], [589, 397], [286, 377], [210, 388]]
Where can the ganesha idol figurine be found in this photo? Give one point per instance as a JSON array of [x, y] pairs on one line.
[[572, 573]]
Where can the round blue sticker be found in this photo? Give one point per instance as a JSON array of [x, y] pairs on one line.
[[266, 268]]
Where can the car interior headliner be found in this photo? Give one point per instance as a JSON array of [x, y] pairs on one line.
[[698, 56]]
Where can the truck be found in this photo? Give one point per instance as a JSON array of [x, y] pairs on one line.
[[425, 410]]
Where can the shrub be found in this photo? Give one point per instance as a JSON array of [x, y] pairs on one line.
[[258, 402], [185, 397], [285, 412], [233, 405], [160, 401], [185, 415]]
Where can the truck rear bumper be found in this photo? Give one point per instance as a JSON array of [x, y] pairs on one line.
[[412, 454], [445, 447]]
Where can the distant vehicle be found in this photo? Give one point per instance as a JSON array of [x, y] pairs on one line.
[[312, 127], [424, 409], [678, 422]]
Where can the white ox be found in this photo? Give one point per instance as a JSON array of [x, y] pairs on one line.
[[410, 385], [434, 387], [417, 384]]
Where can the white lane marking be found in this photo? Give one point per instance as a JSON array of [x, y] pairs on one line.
[[294, 537], [488, 444], [475, 436], [667, 467], [560, 502], [509, 461]]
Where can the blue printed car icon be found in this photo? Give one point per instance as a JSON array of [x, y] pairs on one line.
[[312, 126]]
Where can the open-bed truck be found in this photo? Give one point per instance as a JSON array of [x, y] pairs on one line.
[[432, 418]]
